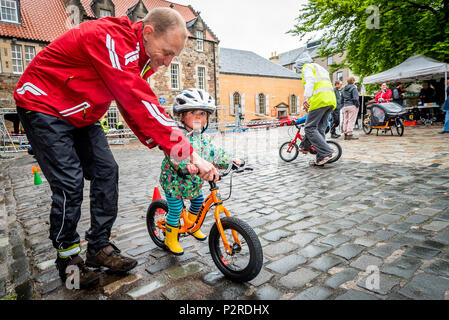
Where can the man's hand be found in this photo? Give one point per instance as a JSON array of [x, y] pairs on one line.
[[207, 171], [192, 169], [306, 105]]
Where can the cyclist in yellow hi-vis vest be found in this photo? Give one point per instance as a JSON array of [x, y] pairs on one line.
[[319, 101], [104, 125]]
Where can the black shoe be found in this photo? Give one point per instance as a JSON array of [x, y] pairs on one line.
[[335, 136], [442, 132], [87, 277]]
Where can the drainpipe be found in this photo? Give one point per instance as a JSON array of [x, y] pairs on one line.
[[215, 81]]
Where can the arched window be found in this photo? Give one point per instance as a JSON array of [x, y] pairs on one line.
[[262, 103], [237, 99], [293, 104]]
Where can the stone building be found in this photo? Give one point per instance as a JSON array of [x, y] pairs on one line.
[[263, 89], [27, 26]]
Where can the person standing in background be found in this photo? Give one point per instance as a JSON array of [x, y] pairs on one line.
[[351, 104], [336, 113], [445, 108]]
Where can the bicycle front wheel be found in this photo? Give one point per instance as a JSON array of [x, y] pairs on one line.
[[367, 125], [288, 153], [157, 212], [245, 262]]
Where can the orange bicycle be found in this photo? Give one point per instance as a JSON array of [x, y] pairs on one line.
[[233, 244]]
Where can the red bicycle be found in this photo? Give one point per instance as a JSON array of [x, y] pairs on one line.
[[289, 150]]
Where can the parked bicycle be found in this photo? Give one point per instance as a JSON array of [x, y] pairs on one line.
[[233, 244], [290, 150]]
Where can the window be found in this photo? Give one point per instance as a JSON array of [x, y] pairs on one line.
[[174, 76], [9, 11], [30, 53], [17, 60], [293, 104], [262, 103], [313, 44], [330, 60], [112, 117], [199, 43], [105, 13], [340, 75], [202, 78], [236, 102]]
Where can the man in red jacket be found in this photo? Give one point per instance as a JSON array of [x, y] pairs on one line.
[[61, 96]]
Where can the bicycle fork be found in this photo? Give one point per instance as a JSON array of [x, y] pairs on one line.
[[218, 209]]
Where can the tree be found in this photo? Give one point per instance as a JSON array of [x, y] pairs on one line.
[[378, 34]]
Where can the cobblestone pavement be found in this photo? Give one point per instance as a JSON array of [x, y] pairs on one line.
[[384, 206]]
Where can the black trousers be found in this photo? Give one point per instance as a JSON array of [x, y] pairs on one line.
[[68, 155], [335, 120]]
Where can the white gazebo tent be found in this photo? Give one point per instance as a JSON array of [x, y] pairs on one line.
[[415, 68]]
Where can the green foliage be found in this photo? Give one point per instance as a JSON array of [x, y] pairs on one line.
[[405, 28]]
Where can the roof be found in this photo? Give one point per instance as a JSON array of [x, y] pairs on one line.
[[34, 27], [243, 62], [290, 57], [415, 68]]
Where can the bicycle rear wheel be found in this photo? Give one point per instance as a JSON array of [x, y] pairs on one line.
[[337, 149], [245, 262], [288, 153], [157, 212], [399, 124]]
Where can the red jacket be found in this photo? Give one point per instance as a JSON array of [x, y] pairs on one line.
[[386, 96], [78, 75]]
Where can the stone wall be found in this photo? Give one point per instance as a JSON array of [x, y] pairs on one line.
[[189, 61]]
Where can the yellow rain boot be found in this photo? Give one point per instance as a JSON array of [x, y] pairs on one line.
[[199, 235], [171, 240]]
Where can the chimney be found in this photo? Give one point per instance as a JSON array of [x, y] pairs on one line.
[[274, 57]]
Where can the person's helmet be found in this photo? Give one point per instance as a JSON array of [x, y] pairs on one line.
[[194, 99], [302, 60]]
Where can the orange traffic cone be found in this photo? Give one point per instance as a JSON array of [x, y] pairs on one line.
[[37, 178], [156, 194]]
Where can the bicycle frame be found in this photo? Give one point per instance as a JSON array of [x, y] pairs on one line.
[[385, 126], [300, 137], [297, 136], [190, 226]]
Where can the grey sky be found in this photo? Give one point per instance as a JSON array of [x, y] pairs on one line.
[[254, 25]]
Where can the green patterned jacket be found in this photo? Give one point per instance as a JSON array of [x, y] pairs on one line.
[[190, 188]]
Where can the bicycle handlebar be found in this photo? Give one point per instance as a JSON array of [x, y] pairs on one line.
[[184, 173], [299, 126]]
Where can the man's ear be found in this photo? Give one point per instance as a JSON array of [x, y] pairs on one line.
[[148, 30]]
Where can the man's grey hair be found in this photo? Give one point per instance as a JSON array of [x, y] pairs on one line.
[[164, 20]]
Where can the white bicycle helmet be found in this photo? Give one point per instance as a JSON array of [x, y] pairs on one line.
[[194, 99]]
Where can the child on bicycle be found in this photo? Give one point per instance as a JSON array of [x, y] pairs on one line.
[[193, 106]]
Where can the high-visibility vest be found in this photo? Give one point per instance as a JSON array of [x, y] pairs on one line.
[[323, 92], [104, 124]]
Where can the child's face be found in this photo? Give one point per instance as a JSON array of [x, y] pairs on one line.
[[194, 120]]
